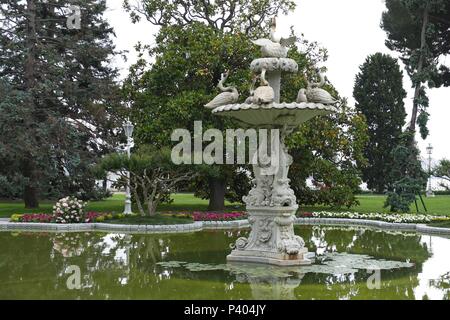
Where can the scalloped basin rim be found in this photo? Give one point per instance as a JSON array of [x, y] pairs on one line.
[[274, 113]]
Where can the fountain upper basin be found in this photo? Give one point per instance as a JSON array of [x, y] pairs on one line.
[[272, 114]]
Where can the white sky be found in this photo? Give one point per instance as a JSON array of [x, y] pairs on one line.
[[349, 29]]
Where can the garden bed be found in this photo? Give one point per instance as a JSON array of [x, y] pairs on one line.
[[392, 218], [165, 218]]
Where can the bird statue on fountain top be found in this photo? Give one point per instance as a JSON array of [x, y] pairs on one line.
[[275, 47]]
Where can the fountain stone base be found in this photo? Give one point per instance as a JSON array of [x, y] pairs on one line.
[[272, 239]]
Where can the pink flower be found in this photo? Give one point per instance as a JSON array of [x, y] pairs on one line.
[[218, 216]]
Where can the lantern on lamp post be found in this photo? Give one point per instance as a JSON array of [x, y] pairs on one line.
[[128, 127], [429, 192]]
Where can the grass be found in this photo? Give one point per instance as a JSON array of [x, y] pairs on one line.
[[439, 205], [115, 204]]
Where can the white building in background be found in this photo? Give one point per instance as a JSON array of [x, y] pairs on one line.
[[112, 177]]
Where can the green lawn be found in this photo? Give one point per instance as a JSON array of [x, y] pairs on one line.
[[115, 204], [439, 205]]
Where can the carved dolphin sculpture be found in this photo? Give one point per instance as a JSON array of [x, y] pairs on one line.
[[229, 94]]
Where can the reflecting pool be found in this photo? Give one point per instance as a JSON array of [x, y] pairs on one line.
[[351, 263]]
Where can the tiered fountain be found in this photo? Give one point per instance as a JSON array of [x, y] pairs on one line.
[[271, 204]]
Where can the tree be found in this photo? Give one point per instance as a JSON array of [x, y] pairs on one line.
[[182, 79], [329, 149], [187, 67], [58, 96], [379, 95], [407, 175], [221, 16], [442, 171], [419, 30], [198, 40], [152, 178]]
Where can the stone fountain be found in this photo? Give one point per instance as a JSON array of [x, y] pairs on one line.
[[271, 204]]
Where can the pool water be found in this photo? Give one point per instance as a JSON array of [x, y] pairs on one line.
[[351, 263]]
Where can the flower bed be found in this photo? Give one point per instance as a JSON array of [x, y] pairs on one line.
[[393, 218], [181, 214], [32, 217], [218, 216], [89, 217]]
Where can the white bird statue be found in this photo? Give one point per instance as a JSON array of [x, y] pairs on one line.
[[264, 93], [275, 47], [315, 94], [229, 94]]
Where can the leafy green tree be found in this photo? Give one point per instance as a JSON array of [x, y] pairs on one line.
[[58, 96], [197, 42], [419, 31], [329, 149], [379, 95], [248, 17], [152, 177], [407, 175], [442, 170], [188, 62], [171, 94]]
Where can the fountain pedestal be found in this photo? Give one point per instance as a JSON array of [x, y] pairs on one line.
[[271, 204], [272, 239]]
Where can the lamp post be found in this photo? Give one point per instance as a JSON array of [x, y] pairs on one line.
[[128, 128], [429, 192]]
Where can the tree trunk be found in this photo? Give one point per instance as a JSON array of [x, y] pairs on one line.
[[151, 207], [423, 43], [217, 194], [30, 191], [30, 195]]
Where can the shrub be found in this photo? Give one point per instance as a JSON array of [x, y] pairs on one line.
[[16, 218], [69, 210]]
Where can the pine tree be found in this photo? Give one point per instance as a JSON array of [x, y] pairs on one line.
[[407, 174], [58, 95], [379, 95], [419, 31]]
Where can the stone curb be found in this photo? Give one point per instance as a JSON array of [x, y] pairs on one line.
[[212, 225], [373, 223]]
